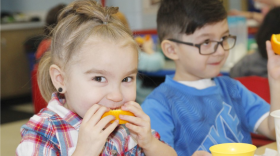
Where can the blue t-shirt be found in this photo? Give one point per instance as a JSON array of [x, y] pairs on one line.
[[189, 119]]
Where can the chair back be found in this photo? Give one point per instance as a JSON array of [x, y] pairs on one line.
[[258, 85], [38, 101]]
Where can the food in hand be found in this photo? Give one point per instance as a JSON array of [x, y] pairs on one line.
[[275, 43], [116, 113], [140, 40]]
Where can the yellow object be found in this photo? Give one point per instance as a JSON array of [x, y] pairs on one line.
[[116, 113], [275, 43], [233, 149], [147, 37], [141, 40]]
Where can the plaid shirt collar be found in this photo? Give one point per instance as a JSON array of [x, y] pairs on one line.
[[57, 105]]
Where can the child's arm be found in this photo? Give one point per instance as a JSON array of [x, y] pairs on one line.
[[140, 128], [267, 127], [93, 132]]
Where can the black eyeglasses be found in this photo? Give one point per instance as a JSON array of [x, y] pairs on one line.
[[209, 47]]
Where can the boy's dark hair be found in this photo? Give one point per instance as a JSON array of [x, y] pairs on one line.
[[176, 17], [51, 19], [269, 26]]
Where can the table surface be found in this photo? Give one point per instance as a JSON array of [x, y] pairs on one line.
[[261, 149]]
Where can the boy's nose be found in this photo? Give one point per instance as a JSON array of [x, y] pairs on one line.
[[220, 50], [115, 95]]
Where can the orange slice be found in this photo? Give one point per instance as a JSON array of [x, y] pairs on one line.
[[275, 43], [116, 113], [139, 40], [147, 37]]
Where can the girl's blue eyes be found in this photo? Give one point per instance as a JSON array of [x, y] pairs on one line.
[[103, 79]]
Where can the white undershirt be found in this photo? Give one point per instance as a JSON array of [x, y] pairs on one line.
[[199, 84]]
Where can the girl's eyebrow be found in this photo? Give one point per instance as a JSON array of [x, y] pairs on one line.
[[95, 71], [103, 72], [134, 71]]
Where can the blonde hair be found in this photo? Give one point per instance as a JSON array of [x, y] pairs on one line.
[[122, 18], [76, 23]]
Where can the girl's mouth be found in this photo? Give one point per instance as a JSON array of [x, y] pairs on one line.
[[115, 108]]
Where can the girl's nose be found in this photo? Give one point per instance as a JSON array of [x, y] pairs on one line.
[[115, 95]]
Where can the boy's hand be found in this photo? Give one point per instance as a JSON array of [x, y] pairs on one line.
[[201, 153], [273, 64], [94, 132], [139, 125]]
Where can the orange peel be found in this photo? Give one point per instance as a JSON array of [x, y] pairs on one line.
[[116, 114], [147, 37], [139, 40], [275, 43]]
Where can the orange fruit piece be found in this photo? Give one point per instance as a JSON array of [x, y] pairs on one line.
[[139, 40], [116, 113], [275, 43], [147, 37]]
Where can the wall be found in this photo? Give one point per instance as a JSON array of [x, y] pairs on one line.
[[30, 5], [139, 13], [238, 4]]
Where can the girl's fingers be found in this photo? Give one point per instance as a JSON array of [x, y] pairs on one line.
[[134, 120], [90, 112], [111, 128], [95, 118], [104, 123], [136, 110], [134, 128]]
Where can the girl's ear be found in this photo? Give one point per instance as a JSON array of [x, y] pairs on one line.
[[169, 49], [57, 77]]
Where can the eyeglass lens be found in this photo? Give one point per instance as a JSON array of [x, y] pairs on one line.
[[212, 46]]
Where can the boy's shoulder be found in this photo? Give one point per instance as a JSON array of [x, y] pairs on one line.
[[171, 87], [170, 83], [226, 81]]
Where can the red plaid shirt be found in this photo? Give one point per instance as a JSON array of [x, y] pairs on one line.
[[54, 131]]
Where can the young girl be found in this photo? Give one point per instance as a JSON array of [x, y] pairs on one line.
[[91, 68]]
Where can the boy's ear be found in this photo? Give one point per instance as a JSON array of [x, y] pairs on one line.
[[169, 49], [57, 77]]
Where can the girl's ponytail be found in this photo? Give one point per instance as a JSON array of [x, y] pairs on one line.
[[44, 80]]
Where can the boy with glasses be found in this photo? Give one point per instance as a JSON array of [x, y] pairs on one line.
[[193, 109]]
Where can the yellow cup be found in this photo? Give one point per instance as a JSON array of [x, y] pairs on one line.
[[233, 149]]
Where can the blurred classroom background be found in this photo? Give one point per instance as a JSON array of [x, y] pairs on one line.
[[24, 19]]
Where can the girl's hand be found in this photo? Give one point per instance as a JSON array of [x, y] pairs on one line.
[[139, 125], [273, 64], [201, 153], [94, 132]]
